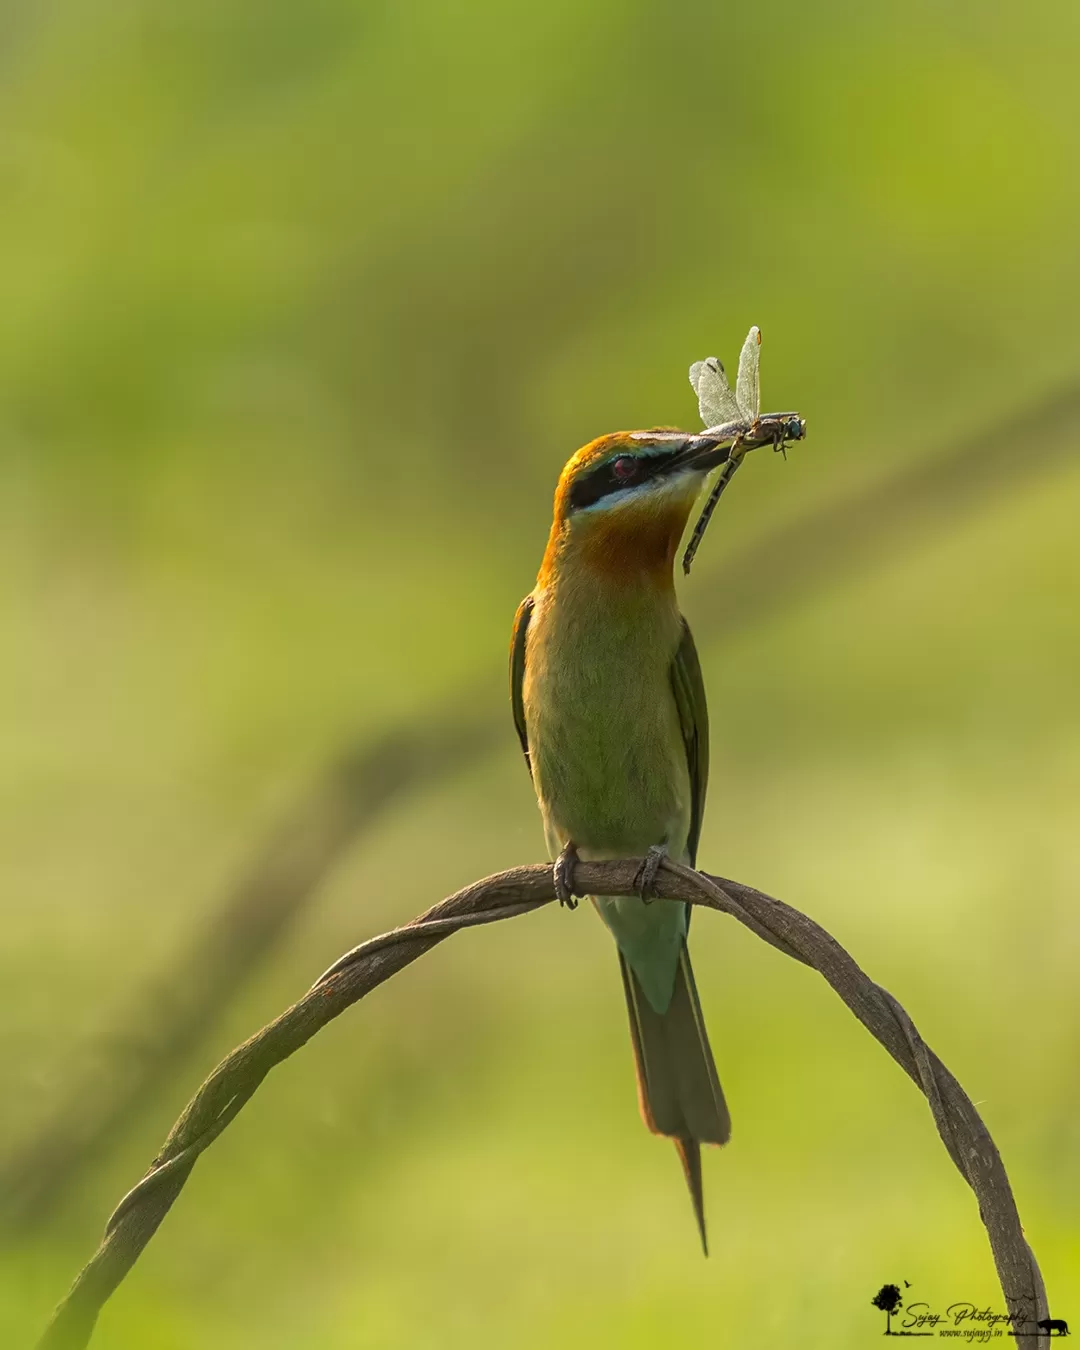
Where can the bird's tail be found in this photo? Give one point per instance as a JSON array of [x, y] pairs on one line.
[[678, 1088]]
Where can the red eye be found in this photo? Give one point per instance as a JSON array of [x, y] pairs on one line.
[[625, 468]]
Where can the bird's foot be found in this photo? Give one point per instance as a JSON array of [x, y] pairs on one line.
[[563, 874], [645, 881]]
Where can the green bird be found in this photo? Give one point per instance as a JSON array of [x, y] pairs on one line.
[[610, 708]]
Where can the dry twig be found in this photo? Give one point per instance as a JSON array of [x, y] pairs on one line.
[[502, 896]]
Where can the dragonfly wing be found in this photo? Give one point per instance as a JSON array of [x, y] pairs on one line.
[[716, 402], [747, 386]]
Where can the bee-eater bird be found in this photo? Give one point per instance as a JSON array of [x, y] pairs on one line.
[[609, 705]]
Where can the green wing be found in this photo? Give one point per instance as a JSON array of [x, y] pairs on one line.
[[517, 673], [689, 691]]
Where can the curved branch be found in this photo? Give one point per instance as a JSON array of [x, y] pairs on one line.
[[503, 896]]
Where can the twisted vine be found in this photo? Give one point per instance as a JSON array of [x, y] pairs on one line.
[[502, 896]]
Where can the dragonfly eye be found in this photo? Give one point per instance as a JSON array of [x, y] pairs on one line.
[[625, 469]]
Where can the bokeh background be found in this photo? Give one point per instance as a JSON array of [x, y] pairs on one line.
[[303, 307]]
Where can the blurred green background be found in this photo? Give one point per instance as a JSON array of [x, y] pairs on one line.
[[303, 308]]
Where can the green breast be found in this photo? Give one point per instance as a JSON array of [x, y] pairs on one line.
[[607, 751]]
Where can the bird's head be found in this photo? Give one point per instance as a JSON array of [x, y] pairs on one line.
[[623, 501]]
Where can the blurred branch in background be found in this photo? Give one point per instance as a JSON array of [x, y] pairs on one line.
[[778, 568], [237, 1077]]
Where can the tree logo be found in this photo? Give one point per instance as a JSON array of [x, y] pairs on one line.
[[887, 1299]]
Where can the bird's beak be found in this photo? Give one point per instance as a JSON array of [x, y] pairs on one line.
[[702, 453]]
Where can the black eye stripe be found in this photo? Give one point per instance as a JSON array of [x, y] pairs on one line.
[[600, 482]]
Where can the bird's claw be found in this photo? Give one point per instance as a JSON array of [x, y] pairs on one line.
[[645, 881], [563, 876]]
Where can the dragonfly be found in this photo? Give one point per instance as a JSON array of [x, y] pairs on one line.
[[736, 416]]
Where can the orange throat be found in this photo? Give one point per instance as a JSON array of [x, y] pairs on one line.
[[633, 543]]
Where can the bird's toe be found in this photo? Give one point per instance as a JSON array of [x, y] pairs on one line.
[[645, 881], [563, 875]]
